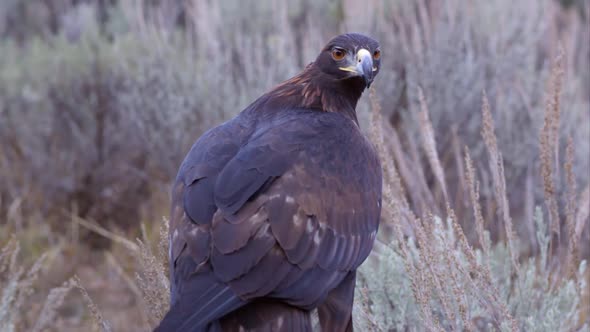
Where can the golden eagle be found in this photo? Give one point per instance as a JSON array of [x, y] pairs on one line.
[[274, 210]]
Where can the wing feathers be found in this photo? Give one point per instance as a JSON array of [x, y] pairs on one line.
[[235, 186], [230, 266], [202, 301], [230, 237], [297, 254], [265, 276]]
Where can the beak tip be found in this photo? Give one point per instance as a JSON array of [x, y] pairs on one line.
[[365, 66], [368, 81], [368, 75]]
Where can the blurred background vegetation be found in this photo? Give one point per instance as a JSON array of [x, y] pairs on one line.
[[100, 101]]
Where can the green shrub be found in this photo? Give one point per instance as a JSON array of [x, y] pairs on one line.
[[456, 299]]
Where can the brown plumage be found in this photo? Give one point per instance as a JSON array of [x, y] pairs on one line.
[[274, 210]]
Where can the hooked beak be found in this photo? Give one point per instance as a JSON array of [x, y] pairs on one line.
[[362, 66]]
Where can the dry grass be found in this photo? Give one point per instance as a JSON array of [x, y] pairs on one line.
[[496, 165], [97, 316], [18, 285], [550, 144], [54, 300], [450, 280], [429, 144], [570, 208], [153, 282], [474, 196]]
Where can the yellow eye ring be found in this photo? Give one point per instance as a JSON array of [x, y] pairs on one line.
[[377, 54], [338, 54]]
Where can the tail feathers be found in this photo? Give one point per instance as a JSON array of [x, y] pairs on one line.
[[267, 316], [196, 309]]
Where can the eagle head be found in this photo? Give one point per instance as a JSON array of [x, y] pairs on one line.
[[351, 57]]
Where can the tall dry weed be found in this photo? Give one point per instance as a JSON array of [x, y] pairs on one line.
[[473, 185], [429, 144], [496, 168], [570, 208], [53, 302], [152, 278], [97, 316], [549, 141]]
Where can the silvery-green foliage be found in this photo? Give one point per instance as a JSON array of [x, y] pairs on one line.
[[537, 299], [383, 276]]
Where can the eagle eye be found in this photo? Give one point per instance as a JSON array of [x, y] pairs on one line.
[[338, 54], [377, 54]]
